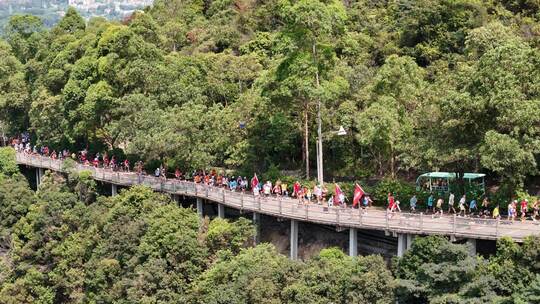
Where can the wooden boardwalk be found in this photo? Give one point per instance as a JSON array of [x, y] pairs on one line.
[[288, 208]]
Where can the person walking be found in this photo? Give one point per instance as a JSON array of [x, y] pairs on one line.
[[391, 205], [485, 207], [365, 203], [396, 206], [284, 190], [430, 203], [524, 207], [511, 211], [496, 213], [439, 205], [462, 209], [473, 208], [536, 209], [412, 203], [451, 203], [267, 188]]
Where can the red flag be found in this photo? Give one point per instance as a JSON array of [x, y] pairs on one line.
[[337, 195], [254, 181], [358, 193]]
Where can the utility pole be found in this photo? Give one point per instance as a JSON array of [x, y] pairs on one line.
[[320, 177]]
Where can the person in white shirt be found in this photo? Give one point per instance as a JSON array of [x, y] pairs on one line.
[[451, 203], [462, 202]]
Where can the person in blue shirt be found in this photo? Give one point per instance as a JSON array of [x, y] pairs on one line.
[[472, 207], [430, 201], [412, 203], [233, 184]]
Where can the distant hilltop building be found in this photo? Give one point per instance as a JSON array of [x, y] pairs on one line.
[[50, 11], [115, 8]]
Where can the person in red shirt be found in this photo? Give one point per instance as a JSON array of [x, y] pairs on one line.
[[391, 205], [296, 189], [391, 202], [524, 206], [105, 160]]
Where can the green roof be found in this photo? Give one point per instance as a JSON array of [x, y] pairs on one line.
[[452, 175]]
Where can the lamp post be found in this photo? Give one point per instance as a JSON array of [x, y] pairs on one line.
[[340, 132]]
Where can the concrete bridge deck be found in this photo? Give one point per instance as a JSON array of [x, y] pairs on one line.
[[288, 208]]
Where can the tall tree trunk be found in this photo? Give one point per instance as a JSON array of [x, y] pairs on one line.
[[381, 166], [393, 164], [306, 139], [320, 168]]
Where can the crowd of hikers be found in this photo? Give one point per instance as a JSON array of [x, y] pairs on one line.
[[470, 208], [318, 194]]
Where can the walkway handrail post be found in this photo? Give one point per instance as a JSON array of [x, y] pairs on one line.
[[307, 208], [242, 201], [387, 223], [206, 190], [360, 215], [497, 227], [259, 202], [454, 224], [421, 221], [223, 195]]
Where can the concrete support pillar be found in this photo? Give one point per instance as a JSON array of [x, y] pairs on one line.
[[257, 223], [38, 178], [39, 175], [410, 239], [472, 246], [221, 210], [353, 242], [200, 211], [402, 244], [114, 189], [294, 240]]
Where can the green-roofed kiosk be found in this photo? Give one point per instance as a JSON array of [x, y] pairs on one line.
[[440, 181]]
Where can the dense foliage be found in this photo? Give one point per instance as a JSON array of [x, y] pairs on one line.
[[419, 85], [437, 271], [62, 244]]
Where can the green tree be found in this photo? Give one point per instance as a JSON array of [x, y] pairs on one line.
[[71, 23], [432, 269], [256, 275], [14, 97], [233, 236], [8, 163], [23, 33], [332, 277], [304, 77], [15, 199]]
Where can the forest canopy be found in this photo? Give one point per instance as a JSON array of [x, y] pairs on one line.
[[419, 86], [65, 243]]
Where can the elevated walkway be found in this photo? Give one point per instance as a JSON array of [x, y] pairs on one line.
[[288, 208]]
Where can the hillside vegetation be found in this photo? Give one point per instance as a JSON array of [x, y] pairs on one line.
[[419, 85], [64, 243]]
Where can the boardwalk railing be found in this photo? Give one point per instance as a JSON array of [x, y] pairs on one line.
[[284, 207]]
